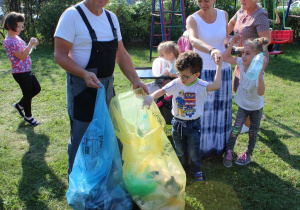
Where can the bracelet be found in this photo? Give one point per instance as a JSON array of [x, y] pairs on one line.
[[211, 49]]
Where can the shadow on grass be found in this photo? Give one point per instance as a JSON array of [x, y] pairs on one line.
[[240, 187], [277, 146], [283, 67], [39, 184], [282, 126], [245, 187]]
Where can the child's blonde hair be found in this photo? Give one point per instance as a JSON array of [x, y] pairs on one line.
[[257, 44], [169, 47]]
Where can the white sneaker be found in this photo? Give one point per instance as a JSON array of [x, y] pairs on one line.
[[245, 129]]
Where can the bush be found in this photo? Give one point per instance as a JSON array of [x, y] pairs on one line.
[[142, 19], [135, 20], [49, 16], [123, 11]]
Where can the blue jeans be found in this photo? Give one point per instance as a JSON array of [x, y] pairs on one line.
[[186, 137], [255, 118]]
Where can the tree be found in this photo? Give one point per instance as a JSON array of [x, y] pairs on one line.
[[12, 5]]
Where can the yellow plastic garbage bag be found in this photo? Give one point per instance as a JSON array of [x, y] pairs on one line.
[[152, 172]]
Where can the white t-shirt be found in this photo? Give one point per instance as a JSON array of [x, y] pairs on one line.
[[71, 27], [187, 101], [246, 95], [213, 34], [173, 70]]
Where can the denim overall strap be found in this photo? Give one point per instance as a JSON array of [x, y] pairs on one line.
[[87, 23], [103, 53]]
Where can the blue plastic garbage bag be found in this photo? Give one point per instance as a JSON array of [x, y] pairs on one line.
[[96, 180]]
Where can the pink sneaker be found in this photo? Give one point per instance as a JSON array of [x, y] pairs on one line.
[[243, 159], [227, 159]]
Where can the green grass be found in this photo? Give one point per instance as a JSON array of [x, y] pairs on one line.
[[33, 161]]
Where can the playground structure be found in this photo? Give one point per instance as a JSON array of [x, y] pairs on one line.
[[280, 37], [283, 36], [160, 16]]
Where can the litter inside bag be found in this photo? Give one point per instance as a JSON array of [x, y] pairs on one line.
[[152, 172]]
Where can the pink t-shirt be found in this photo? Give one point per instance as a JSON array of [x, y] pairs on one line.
[[13, 45]]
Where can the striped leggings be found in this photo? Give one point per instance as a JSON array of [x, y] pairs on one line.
[[255, 118]]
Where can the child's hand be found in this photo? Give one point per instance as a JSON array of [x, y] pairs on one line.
[[167, 73], [148, 101], [219, 61], [235, 39], [216, 54], [264, 65], [34, 42]]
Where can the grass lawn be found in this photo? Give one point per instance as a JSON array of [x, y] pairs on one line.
[[33, 160]]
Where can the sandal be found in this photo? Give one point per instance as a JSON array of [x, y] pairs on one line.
[[20, 110], [32, 121]]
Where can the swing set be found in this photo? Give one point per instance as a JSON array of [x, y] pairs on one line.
[[283, 36]]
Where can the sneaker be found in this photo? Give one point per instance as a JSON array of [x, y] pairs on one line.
[[243, 159], [245, 129], [199, 176], [31, 121], [19, 109], [227, 160]]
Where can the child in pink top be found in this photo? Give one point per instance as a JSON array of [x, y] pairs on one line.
[[18, 54]]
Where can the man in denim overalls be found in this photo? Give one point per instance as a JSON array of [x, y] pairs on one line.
[[87, 43]]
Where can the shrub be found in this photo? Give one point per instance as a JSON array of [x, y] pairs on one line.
[[49, 16], [123, 11], [141, 15]]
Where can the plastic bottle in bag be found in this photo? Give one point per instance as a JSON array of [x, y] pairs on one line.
[[255, 67], [143, 125]]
